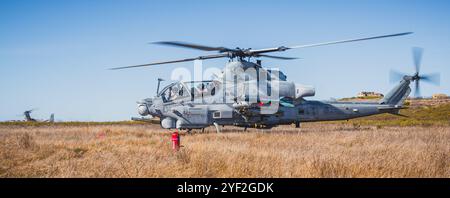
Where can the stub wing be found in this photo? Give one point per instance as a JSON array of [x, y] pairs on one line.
[[143, 119]]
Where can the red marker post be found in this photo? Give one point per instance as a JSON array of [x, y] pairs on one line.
[[175, 141]]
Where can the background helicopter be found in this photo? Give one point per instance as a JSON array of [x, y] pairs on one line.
[[28, 118], [199, 104]]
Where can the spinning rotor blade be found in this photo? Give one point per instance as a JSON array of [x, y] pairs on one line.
[[192, 46], [31, 110], [242, 53], [434, 78], [417, 56], [395, 76], [174, 61], [278, 57], [417, 89], [351, 40], [282, 48]]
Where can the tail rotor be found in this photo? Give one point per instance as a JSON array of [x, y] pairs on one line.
[[433, 78]]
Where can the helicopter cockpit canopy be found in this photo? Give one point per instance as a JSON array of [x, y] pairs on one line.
[[188, 90]]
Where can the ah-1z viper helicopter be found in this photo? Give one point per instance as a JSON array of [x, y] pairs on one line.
[[238, 97]]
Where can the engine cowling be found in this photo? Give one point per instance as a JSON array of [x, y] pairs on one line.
[[304, 91]]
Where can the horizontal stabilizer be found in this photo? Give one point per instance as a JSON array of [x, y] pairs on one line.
[[392, 108], [398, 114]]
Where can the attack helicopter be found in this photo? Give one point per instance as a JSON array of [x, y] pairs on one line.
[[245, 94]]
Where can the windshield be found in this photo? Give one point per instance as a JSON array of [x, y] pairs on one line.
[[173, 91], [193, 89]]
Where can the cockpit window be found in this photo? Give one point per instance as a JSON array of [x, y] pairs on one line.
[[203, 88], [191, 89], [173, 92]]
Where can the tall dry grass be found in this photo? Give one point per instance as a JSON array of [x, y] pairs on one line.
[[316, 150]]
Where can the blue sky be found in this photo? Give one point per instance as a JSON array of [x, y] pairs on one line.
[[54, 55]]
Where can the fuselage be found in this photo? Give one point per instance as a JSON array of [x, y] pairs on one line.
[[199, 104], [190, 116]]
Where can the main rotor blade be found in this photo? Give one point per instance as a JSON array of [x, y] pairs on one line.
[[192, 46], [434, 78], [174, 61], [417, 55], [395, 76], [282, 48], [351, 40], [278, 57]]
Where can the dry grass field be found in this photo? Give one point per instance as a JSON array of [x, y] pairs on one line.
[[315, 150]]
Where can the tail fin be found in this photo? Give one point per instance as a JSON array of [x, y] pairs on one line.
[[398, 94], [52, 118]]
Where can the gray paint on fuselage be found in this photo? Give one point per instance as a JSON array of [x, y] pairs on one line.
[[310, 111]]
